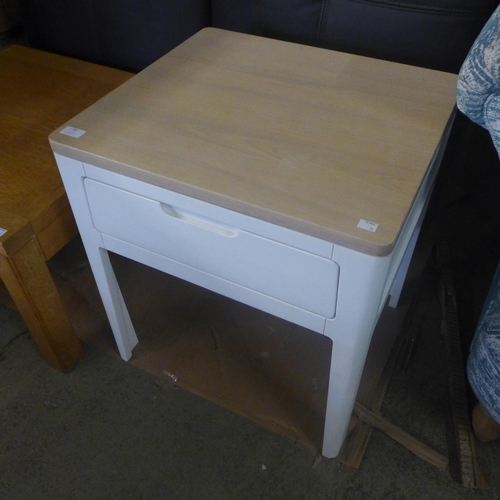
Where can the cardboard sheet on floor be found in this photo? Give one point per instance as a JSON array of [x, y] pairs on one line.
[[252, 363]]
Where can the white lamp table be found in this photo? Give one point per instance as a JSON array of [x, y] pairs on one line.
[[287, 177]]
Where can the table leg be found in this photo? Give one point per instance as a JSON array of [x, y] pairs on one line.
[[362, 280], [111, 295], [73, 173], [30, 284]]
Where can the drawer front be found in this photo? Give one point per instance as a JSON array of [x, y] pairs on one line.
[[288, 274]]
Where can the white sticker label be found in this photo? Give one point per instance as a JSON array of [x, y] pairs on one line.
[[2, 231], [73, 132], [367, 225]]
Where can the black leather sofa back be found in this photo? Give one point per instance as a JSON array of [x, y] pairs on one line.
[[126, 34], [130, 34], [430, 33]]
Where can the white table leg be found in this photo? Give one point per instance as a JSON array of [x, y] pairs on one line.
[[111, 296], [362, 282], [73, 173]]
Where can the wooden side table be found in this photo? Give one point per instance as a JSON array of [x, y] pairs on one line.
[[287, 177], [38, 90]]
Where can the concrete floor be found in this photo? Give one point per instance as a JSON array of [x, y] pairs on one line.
[[108, 430]]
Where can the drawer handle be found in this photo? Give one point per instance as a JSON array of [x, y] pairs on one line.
[[198, 221]]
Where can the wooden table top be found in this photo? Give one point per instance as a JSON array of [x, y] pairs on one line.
[[307, 138], [39, 91]]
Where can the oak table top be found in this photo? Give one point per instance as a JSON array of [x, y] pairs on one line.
[[306, 138], [38, 91]]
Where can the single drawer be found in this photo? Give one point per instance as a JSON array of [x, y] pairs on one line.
[[285, 273]]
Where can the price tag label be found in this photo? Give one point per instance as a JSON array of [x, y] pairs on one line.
[[72, 132], [367, 225]]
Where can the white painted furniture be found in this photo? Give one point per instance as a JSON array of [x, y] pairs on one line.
[[287, 177]]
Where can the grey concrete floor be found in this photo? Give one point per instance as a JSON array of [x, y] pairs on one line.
[[107, 430]]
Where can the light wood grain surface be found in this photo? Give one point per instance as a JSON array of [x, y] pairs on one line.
[[303, 137]]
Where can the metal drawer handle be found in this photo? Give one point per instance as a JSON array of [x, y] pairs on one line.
[[198, 221]]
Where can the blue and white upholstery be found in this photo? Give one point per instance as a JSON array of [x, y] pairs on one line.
[[483, 365], [478, 97]]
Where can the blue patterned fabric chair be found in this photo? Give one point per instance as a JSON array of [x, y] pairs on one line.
[[478, 97]]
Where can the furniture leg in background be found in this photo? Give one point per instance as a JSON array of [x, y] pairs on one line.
[[24, 271], [41, 90]]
